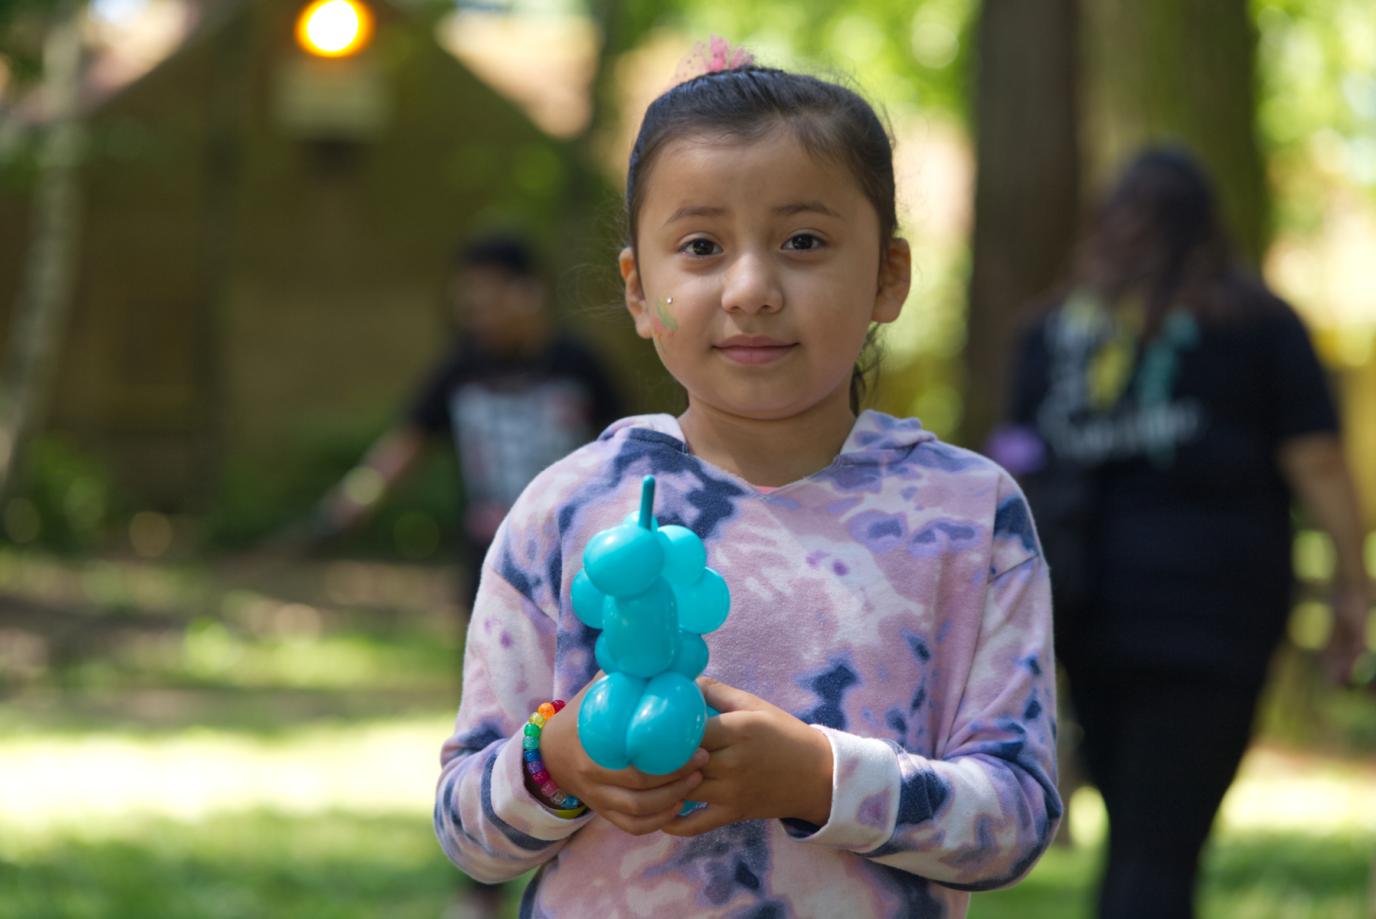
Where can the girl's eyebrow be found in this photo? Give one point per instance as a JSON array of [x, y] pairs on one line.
[[699, 210], [802, 207], [783, 210]]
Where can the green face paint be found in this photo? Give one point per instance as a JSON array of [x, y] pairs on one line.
[[664, 321]]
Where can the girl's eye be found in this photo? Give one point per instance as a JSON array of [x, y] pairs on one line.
[[803, 242], [700, 247]]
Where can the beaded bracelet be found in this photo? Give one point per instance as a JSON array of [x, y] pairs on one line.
[[563, 805]]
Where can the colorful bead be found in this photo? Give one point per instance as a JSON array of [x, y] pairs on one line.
[[560, 802], [572, 813]]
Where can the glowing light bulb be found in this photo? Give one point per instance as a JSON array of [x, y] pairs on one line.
[[334, 28]]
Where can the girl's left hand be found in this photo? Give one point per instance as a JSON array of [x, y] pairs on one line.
[[763, 763]]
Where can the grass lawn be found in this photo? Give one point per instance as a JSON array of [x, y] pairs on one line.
[[1309, 858], [334, 821], [184, 743], [234, 863]]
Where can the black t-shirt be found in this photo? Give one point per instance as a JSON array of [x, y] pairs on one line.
[[1173, 447], [509, 418]]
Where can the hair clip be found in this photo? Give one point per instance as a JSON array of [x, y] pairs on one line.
[[712, 56]]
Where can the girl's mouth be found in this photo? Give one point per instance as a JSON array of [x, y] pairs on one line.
[[754, 349]]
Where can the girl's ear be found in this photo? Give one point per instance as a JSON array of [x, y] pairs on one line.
[[635, 294], [895, 280]]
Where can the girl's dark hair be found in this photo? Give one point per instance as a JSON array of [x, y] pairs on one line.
[[1157, 235], [745, 103]]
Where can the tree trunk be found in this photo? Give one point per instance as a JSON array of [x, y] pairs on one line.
[[594, 222], [44, 299], [227, 101], [1026, 184], [1179, 71]]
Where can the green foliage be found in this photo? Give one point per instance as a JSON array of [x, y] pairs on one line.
[[1317, 107], [259, 497], [68, 501], [21, 35], [19, 48], [18, 164], [904, 55]]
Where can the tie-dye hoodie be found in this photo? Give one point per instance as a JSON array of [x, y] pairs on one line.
[[896, 600]]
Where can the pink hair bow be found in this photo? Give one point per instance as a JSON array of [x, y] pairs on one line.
[[712, 56]]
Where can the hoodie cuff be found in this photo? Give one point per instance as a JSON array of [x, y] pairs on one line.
[[864, 795], [514, 805]]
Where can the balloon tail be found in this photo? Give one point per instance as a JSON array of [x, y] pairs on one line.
[[647, 502]]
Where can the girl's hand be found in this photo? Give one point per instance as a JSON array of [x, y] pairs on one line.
[[630, 799], [764, 763]]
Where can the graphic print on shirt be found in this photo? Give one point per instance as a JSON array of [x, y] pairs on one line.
[[507, 434], [1109, 395]]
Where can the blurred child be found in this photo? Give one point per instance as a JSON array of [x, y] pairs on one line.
[[513, 395]]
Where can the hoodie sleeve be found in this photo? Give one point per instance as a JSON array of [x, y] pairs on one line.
[[980, 814], [486, 821]]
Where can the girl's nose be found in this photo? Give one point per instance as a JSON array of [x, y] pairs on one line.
[[751, 286]]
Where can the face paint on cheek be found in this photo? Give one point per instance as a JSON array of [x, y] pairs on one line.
[[662, 318]]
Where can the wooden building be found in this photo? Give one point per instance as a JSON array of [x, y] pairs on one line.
[[263, 238]]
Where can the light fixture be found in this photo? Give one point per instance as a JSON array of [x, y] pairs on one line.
[[334, 28]]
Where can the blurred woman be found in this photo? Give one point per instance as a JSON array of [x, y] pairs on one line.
[[1163, 415]]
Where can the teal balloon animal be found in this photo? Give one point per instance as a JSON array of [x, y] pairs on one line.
[[649, 590]]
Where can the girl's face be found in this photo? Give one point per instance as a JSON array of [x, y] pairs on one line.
[[757, 272]]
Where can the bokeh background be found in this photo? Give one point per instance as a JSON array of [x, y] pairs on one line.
[[222, 267]]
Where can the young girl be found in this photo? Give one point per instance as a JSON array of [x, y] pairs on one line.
[[885, 675]]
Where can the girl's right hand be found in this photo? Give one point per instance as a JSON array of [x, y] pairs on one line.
[[632, 800]]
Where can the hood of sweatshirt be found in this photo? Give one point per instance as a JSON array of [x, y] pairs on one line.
[[875, 437]]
